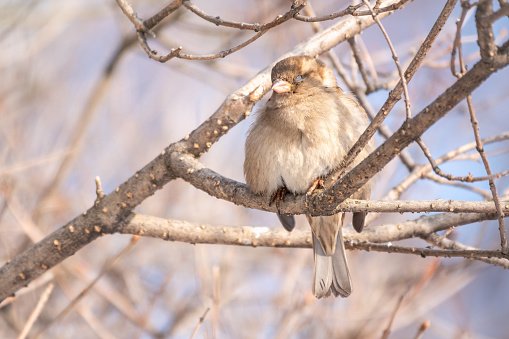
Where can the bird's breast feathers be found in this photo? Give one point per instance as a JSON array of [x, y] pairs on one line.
[[294, 151]]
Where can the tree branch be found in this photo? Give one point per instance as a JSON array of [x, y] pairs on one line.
[[410, 130], [394, 95]]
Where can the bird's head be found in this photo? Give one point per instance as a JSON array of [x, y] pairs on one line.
[[301, 74]]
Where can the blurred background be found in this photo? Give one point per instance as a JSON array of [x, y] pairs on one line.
[[79, 98]]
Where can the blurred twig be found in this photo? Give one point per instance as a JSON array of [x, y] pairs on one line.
[[424, 326], [37, 311], [387, 330], [89, 287], [200, 321], [83, 122]]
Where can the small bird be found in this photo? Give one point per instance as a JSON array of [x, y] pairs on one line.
[[299, 136]]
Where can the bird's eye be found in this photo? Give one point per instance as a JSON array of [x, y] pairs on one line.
[[298, 79]]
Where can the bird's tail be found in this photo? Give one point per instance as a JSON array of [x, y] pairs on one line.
[[331, 267]]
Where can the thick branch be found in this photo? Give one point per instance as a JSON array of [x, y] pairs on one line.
[[183, 231]]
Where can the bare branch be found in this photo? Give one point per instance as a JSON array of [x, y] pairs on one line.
[[503, 11], [438, 179], [387, 330], [456, 47], [177, 52], [468, 178], [449, 244], [396, 60], [350, 10], [395, 94], [240, 25], [133, 17], [410, 131], [493, 187], [201, 320], [358, 59], [477, 254], [37, 311], [157, 18], [73, 303], [378, 10], [424, 326], [183, 231], [490, 53]]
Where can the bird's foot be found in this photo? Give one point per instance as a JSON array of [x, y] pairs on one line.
[[315, 189], [278, 196]]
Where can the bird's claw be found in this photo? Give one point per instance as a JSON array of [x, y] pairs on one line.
[[278, 196], [315, 189]]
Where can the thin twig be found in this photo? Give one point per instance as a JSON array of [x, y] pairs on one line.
[[485, 42], [468, 178], [369, 61], [177, 52], [350, 10], [216, 20], [317, 27], [424, 326], [37, 311], [456, 47], [200, 321], [387, 331], [485, 194], [89, 287], [493, 187], [360, 63], [159, 16], [133, 17], [384, 130], [448, 245], [422, 171], [429, 252], [377, 10], [395, 58]]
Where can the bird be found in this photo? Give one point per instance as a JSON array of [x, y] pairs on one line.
[[299, 136]]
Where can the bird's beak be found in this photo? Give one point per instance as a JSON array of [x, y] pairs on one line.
[[280, 86]]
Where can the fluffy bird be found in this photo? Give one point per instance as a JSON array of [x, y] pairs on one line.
[[299, 136]]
